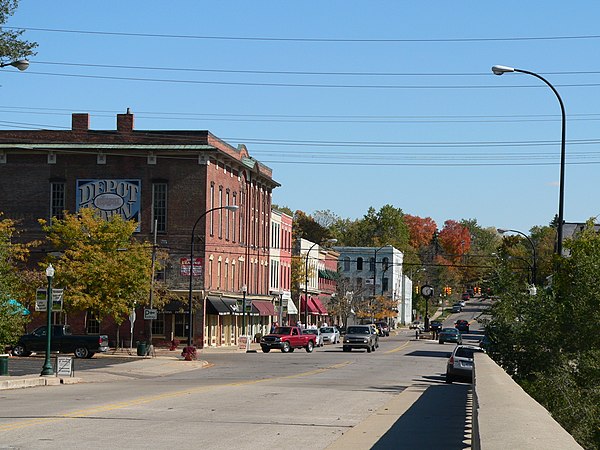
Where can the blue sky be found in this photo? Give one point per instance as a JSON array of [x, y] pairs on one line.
[[351, 103]]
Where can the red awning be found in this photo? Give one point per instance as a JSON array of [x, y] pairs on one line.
[[312, 308], [320, 306], [265, 308]]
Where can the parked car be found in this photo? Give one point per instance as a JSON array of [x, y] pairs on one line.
[[384, 328], [462, 326], [450, 335], [331, 335], [416, 325], [435, 325], [465, 296], [62, 341], [460, 364], [287, 339], [360, 336], [317, 334]]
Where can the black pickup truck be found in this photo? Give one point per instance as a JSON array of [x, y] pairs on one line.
[[62, 341]]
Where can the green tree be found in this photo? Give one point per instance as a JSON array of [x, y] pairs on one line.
[[549, 342], [102, 267], [12, 259], [12, 46]]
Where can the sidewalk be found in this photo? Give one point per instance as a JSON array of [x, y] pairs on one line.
[[162, 362]]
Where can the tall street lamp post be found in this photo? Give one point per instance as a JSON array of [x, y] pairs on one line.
[[47, 368], [21, 64], [534, 265], [328, 241], [499, 70], [190, 316]]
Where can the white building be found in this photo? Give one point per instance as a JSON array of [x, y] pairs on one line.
[[369, 272]]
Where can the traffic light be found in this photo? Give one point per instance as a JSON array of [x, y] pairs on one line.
[[416, 289], [449, 290]]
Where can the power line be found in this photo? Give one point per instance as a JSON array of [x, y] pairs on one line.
[[313, 85], [292, 39]]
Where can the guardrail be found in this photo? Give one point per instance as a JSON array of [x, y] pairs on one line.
[[505, 416]]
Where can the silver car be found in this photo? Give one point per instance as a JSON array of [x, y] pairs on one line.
[[331, 335], [318, 336], [460, 364], [361, 336]]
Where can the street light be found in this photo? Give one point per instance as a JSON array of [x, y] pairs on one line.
[[47, 368], [534, 266], [328, 241], [190, 316], [21, 64], [499, 70]]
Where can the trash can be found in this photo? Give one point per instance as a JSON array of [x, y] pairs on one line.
[[142, 349], [3, 364]]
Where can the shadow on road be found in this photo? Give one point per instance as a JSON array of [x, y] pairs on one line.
[[430, 354], [436, 420]]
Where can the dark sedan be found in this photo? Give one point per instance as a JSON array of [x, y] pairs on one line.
[[450, 335], [462, 326]]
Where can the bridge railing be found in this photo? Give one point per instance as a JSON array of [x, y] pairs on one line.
[[505, 416]]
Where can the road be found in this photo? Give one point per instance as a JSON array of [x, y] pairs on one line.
[[257, 400]]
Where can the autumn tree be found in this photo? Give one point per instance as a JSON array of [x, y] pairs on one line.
[[421, 230], [305, 227], [102, 267]]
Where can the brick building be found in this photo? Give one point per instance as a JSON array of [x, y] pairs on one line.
[[167, 178]]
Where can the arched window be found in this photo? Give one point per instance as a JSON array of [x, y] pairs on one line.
[[385, 262], [359, 263]]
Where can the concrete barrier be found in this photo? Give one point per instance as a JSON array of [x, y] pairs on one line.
[[505, 416]]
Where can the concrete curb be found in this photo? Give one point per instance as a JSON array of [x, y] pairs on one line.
[[27, 381]]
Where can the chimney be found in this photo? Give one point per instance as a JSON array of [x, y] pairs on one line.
[[80, 121], [125, 122]]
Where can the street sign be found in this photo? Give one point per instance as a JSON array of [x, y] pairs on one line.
[[41, 300], [64, 366], [150, 314]]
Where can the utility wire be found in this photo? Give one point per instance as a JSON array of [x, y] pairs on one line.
[[292, 39]]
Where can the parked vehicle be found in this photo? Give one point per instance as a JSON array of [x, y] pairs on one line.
[[465, 296], [450, 335], [462, 326], [416, 325], [460, 364], [361, 336], [62, 341], [317, 334], [435, 325], [331, 335], [287, 339], [384, 328]]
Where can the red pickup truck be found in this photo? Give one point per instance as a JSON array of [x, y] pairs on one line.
[[287, 339]]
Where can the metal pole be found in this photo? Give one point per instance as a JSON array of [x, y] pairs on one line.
[[47, 368], [499, 70], [152, 280], [191, 280], [244, 289], [306, 286]]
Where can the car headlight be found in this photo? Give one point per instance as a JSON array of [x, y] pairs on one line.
[[365, 340], [346, 340]]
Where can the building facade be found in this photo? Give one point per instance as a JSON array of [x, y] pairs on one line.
[[167, 181], [368, 274]]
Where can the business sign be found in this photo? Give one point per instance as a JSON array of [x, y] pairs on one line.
[[150, 314], [185, 266], [111, 197], [41, 300]]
